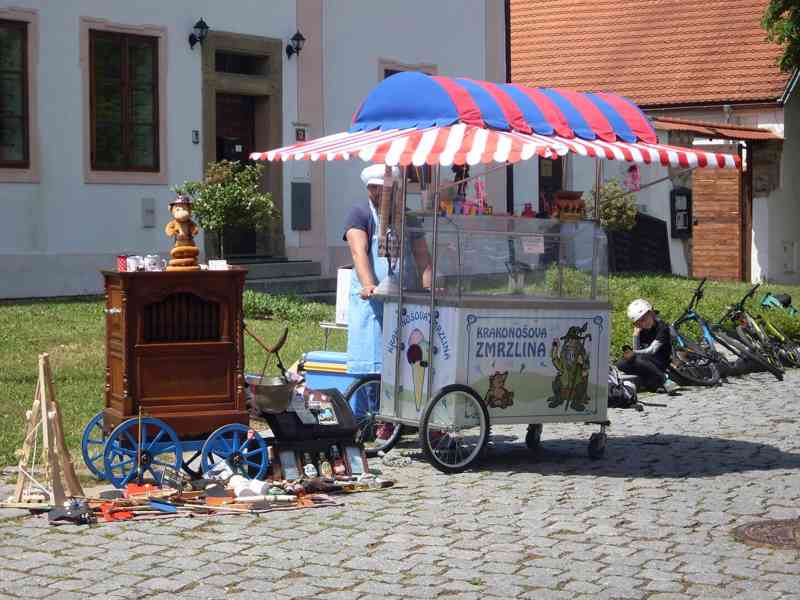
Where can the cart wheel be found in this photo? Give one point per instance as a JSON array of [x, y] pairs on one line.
[[92, 444], [243, 449], [534, 436], [158, 455], [375, 434], [454, 428], [597, 445]]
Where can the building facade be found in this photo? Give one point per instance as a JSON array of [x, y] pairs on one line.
[[105, 105], [691, 61]]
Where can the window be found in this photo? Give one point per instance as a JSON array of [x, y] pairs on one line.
[[240, 64], [387, 68], [124, 102], [14, 123]]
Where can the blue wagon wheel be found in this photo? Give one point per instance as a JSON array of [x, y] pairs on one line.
[[243, 449], [129, 456], [92, 444]]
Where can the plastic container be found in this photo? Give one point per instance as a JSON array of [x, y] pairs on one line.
[[326, 370]]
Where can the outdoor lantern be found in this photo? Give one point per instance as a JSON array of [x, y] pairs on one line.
[[199, 33], [295, 44]]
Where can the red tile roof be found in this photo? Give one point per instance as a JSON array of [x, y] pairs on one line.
[[656, 52]]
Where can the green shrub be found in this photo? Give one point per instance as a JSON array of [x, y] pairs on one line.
[[292, 309]]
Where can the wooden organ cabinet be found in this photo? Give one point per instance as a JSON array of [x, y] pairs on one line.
[[174, 348]]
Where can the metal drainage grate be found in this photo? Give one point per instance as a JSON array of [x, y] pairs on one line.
[[783, 534]]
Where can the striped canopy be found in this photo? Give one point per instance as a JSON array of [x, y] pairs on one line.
[[415, 119]]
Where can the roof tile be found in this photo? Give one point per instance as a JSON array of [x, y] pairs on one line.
[[656, 52]]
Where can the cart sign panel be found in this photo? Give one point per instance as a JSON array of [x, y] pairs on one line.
[[537, 363], [419, 357], [528, 365]]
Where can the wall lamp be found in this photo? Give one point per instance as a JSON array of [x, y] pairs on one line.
[[295, 44], [199, 33]]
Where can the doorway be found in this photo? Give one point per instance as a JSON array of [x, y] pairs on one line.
[[242, 113], [235, 142]]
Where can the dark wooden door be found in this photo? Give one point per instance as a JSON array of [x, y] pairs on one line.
[[236, 141], [717, 234]]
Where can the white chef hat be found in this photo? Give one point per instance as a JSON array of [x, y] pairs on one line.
[[373, 174]]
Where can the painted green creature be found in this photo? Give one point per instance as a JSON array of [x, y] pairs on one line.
[[571, 384]]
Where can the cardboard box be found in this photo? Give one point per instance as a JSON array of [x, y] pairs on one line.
[[342, 294]]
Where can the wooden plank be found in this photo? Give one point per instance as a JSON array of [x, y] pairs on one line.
[[57, 495], [65, 458], [27, 445]]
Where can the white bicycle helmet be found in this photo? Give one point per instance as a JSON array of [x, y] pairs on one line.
[[638, 308]]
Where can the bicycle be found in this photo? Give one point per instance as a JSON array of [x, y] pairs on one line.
[[756, 331], [747, 329], [711, 336]]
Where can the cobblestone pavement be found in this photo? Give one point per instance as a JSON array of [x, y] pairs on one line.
[[653, 520]]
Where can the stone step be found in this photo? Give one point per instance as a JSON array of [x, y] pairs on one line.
[[274, 269], [300, 286]]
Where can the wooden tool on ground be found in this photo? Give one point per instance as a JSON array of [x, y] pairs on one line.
[[58, 480]]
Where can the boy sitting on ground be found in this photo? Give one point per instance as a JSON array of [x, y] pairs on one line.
[[652, 348]]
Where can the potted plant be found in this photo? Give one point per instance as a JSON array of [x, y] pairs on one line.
[[617, 209], [229, 196]]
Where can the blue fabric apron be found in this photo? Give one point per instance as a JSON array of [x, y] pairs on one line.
[[365, 317]]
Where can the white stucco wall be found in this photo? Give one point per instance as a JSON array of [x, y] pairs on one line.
[[448, 33], [781, 233], [55, 235]]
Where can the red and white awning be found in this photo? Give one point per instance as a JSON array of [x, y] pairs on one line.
[[464, 144]]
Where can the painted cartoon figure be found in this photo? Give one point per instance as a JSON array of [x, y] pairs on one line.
[[572, 363], [497, 396]]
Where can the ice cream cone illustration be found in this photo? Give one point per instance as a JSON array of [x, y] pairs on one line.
[[416, 355]]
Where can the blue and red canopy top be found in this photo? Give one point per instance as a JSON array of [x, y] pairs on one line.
[[415, 100]]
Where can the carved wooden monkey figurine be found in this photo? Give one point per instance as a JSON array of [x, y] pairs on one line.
[[183, 256]]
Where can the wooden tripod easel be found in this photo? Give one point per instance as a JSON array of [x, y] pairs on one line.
[[58, 480]]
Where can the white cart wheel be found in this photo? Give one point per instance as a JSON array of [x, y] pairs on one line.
[[454, 428]]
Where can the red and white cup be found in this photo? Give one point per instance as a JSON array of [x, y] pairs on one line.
[[122, 263]]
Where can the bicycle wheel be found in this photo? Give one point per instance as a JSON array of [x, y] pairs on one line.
[[688, 368], [790, 354], [725, 366], [454, 428], [375, 434], [737, 347], [757, 346]]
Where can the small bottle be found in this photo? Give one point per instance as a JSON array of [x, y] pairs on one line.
[[338, 462], [325, 468], [308, 468]]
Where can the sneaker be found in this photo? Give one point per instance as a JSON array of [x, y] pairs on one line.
[[670, 387]]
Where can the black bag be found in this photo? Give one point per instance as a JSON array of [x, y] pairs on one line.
[[784, 299], [621, 393]]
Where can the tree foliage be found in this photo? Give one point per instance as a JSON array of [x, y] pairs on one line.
[[617, 206], [229, 196], [782, 21]]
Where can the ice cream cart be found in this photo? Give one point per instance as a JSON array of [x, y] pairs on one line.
[[515, 326]]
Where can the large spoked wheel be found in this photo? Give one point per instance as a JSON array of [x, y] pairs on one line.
[[689, 368], [148, 455], [376, 435], [92, 444], [454, 428], [243, 449]]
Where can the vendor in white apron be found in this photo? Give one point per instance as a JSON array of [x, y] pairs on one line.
[[365, 312]]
